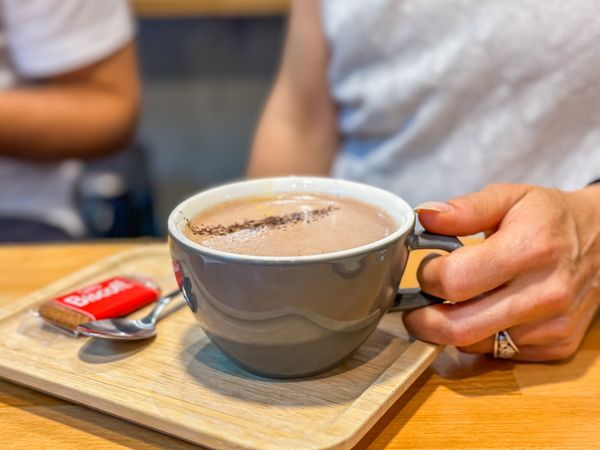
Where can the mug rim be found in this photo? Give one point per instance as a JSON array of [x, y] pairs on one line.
[[401, 230]]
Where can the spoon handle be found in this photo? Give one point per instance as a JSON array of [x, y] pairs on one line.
[[160, 306]]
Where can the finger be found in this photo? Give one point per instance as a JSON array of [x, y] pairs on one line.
[[539, 334], [546, 334], [543, 353], [563, 347], [473, 213], [475, 269], [460, 324], [465, 323], [559, 332], [529, 353], [540, 352], [483, 347]]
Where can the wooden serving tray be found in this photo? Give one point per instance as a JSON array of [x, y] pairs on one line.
[[180, 384]]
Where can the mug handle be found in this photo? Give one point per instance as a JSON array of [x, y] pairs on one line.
[[413, 298]]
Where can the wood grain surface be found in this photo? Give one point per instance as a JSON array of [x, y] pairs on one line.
[[462, 401]]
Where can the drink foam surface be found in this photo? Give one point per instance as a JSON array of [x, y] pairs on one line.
[[291, 224]]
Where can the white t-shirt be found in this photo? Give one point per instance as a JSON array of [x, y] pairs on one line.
[[40, 39], [438, 98]]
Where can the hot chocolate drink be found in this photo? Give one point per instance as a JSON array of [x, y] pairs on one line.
[[293, 224]]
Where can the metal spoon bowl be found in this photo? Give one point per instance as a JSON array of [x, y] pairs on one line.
[[128, 329]]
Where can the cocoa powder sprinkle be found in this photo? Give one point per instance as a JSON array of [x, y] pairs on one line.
[[280, 221]]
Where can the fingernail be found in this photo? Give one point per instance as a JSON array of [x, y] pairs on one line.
[[434, 206]]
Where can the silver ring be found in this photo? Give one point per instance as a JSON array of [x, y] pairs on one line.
[[504, 347]]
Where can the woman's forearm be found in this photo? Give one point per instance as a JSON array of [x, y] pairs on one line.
[[289, 141], [87, 113], [297, 131]]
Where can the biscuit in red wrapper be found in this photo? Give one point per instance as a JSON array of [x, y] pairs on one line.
[[106, 299]]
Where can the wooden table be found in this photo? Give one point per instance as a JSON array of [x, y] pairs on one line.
[[462, 401]]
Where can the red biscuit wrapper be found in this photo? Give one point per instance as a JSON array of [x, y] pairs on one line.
[[109, 298]]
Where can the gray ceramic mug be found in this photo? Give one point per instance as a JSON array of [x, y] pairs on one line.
[[299, 315]]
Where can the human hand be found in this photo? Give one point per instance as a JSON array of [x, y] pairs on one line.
[[536, 275]]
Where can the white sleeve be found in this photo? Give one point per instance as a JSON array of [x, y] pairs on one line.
[[51, 37]]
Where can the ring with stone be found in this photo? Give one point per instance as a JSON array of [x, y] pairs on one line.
[[504, 346]]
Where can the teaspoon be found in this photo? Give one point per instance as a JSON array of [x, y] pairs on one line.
[[128, 329]]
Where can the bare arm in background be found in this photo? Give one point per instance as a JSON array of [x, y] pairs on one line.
[[88, 112], [297, 131]]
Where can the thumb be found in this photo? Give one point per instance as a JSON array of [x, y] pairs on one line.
[[472, 213]]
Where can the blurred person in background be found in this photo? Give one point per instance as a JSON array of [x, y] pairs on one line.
[[436, 100], [68, 91]]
